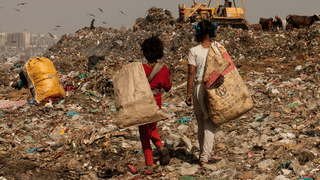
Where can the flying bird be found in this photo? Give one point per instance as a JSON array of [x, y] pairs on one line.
[[51, 35], [100, 10], [91, 15], [104, 22], [54, 29], [16, 9], [21, 4], [57, 26], [122, 12]]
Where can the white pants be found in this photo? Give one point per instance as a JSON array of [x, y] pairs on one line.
[[205, 125]]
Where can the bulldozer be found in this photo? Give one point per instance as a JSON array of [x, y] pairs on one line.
[[227, 15]]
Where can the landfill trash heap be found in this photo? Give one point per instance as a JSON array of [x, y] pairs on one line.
[[77, 137]]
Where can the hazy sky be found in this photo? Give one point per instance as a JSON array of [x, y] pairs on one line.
[[41, 16]]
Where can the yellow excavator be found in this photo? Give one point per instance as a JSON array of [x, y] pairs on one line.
[[227, 15]]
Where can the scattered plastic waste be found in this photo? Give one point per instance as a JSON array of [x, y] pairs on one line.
[[72, 113], [132, 169], [90, 93], [93, 110], [285, 165], [113, 109], [277, 139], [83, 75], [292, 105], [33, 150], [184, 120], [260, 116]]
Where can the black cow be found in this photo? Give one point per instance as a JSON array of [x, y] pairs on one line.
[[295, 21], [266, 24]]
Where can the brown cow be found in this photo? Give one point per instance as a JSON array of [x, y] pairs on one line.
[[295, 21], [266, 24]]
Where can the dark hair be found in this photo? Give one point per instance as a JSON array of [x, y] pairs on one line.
[[205, 28], [152, 48]]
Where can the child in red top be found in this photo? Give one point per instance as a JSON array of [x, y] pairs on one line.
[[153, 50]]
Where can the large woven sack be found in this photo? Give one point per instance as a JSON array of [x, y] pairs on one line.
[[227, 95], [133, 97], [44, 78]]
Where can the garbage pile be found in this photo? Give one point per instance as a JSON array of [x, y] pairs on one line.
[[76, 137], [155, 18], [259, 45]]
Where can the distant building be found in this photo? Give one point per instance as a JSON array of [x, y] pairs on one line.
[[34, 40], [3, 39], [42, 40], [19, 40], [26, 37]]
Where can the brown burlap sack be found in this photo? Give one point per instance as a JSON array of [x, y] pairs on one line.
[[217, 63], [133, 97], [227, 95]]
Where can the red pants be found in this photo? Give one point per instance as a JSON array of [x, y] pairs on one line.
[[147, 132]]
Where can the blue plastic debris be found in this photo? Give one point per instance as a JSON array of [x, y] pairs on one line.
[[33, 150], [184, 120], [83, 75], [72, 113]]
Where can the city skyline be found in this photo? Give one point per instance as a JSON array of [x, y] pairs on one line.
[[26, 40], [16, 47]]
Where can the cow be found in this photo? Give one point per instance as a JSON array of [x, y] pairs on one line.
[[266, 24], [295, 21]]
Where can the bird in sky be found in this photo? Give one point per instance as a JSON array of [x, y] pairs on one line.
[[51, 35], [100, 10], [54, 29], [57, 26], [16, 9], [91, 15], [21, 4], [104, 22], [122, 12]]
